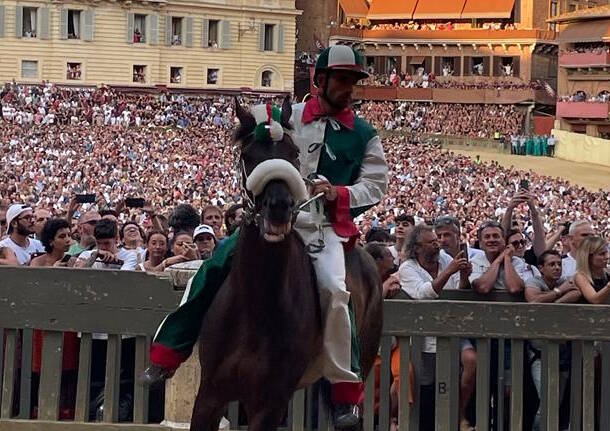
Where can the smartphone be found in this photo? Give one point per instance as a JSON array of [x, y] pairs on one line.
[[66, 258], [566, 229], [524, 184], [134, 202], [464, 249], [85, 199]]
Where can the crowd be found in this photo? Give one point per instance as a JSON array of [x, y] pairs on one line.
[[593, 47], [93, 178], [473, 120], [423, 26], [581, 96], [533, 145]]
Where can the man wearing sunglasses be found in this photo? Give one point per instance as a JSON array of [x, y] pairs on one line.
[[85, 227], [20, 225]]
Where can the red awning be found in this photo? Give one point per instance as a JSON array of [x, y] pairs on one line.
[[488, 9], [439, 9], [392, 9], [354, 8]]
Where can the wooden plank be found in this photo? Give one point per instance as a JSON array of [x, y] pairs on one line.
[[550, 370], [496, 320], [25, 390], [516, 397], [140, 391], [588, 386], [234, 414], [483, 376], [38, 425], [471, 295], [500, 391], [403, 395], [298, 410], [1, 363], [50, 376], [604, 422], [576, 387], [113, 379], [368, 421], [417, 345], [384, 385], [447, 384], [8, 380], [84, 379], [85, 300]]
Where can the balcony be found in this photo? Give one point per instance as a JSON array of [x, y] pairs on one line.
[[474, 34], [589, 110], [584, 59]]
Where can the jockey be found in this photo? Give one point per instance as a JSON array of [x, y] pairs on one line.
[[345, 154]]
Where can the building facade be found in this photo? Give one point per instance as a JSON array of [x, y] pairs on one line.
[[191, 44], [584, 72]]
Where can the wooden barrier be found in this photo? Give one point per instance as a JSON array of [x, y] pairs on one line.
[[131, 304]]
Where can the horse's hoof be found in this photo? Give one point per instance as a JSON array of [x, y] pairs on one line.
[[154, 375], [346, 416]]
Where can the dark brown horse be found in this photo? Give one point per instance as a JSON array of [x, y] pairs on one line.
[[264, 327]]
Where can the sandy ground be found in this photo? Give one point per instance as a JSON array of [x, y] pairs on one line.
[[587, 175]]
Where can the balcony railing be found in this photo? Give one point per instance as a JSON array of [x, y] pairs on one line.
[[584, 59], [591, 110]]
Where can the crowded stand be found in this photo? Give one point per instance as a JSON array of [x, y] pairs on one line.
[[422, 26], [94, 178]]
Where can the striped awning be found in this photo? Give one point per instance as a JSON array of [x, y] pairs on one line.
[[488, 9], [354, 8], [392, 9], [439, 9]]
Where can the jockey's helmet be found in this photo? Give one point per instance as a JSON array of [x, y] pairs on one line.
[[340, 57]]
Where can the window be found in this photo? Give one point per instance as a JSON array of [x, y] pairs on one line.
[[552, 13], [175, 75], [139, 28], [269, 28], [177, 30], [74, 71], [29, 69], [29, 25], [478, 66], [267, 78], [447, 66], [139, 73], [74, 24], [212, 76], [506, 66], [214, 25]]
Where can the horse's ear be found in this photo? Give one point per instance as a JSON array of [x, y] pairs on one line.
[[286, 112], [246, 119]]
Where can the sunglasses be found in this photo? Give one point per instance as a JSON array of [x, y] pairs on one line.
[[519, 243]]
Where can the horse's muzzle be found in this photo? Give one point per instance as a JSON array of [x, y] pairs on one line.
[[277, 211]]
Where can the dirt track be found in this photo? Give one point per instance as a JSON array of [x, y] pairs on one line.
[[590, 176]]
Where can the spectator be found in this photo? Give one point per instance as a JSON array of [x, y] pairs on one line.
[[498, 269], [40, 218], [205, 239], [448, 230], [20, 222], [132, 237], [56, 239], [539, 242], [550, 286], [233, 218], [85, 228], [385, 267], [105, 255], [157, 250], [212, 216], [403, 222], [3, 226], [592, 270], [579, 230], [426, 272], [182, 245], [8, 257], [184, 218]]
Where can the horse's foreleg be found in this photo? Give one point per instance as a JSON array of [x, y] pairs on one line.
[[207, 411], [266, 417]]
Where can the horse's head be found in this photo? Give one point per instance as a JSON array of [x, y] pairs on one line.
[[270, 167]]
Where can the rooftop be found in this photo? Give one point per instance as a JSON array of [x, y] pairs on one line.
[[599, 12]]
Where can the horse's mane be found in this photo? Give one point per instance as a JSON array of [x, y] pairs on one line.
[[247, 124]]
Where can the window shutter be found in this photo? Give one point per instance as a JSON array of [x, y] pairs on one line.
[[280, 37], [63, 23], [18, 21], [261, 37], [129, 36], [516, 64], [225, 41], [88, 27], [153, 29], [188, 39], [457, 66], [2, 12], [205, 32], [168, 30], [43, 19]]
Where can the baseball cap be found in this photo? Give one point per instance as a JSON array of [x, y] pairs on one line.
[[15, 211], [204, 228]]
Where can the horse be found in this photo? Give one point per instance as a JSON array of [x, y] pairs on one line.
[[264, 328]]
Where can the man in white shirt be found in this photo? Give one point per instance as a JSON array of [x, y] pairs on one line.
[[426, 272], [105, 256], [20, 222], [578, 231], [497, 269]]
